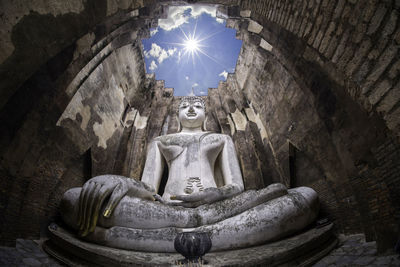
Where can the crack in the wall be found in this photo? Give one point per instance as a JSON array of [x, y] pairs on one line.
[[231, 124]]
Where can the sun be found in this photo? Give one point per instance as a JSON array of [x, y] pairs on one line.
[[191, 45]]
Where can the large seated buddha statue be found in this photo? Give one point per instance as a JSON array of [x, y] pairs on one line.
[[204, 193]]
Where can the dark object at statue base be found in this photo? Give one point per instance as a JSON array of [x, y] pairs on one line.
[[302, 249], [322, 222], [193, 246]]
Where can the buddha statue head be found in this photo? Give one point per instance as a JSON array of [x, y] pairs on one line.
[[191, 113]]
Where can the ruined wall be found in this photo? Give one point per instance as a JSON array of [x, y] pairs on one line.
[[94, 116], [66, 95], [316, 107], [356, 43], [32, 32]]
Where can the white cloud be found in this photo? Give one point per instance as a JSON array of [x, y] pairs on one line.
[[197, 10], [171, 51], [195, 85], [153, 31], [153, 65], [187, 78], [159, 53], [163, 55], [224, 74], [177, 15], [175, 18]]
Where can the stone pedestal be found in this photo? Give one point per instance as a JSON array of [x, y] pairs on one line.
[[302, 249]]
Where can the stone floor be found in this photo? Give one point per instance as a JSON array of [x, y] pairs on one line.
[[352, 251], [26, 253]]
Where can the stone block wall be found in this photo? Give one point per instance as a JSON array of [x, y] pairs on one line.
[[64, 93], [356, 40], [306, 71]]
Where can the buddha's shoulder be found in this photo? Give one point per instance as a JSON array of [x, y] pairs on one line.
[[216, 135], [184, 136], [213, 138], [168, 138]]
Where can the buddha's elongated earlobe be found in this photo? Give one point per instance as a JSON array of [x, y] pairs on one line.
[[179, 124], [203, 127]]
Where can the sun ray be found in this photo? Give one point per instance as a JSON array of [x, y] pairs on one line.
[[211, 35], [183, 32], [195, 27], [210, 57]]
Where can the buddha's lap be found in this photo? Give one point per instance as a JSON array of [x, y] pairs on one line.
[[264, 222], [140, 213]]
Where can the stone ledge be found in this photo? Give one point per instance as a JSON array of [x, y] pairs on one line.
[[302, 250]]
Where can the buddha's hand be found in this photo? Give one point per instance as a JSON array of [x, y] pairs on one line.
[[106, 187], [208, 196]]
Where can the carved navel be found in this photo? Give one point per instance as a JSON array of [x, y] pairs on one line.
[[193, 182]]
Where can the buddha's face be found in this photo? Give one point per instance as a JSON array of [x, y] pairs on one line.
[[191, 113]]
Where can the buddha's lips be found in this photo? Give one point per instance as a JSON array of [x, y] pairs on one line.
[[191, 114]]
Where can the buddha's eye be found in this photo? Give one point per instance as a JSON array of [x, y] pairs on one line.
[[184, 105], [198, 105]]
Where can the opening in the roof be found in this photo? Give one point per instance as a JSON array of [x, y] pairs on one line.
[[191, 49]]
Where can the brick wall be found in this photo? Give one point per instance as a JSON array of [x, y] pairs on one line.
[[359, 39], [342, 56], [39, 160]]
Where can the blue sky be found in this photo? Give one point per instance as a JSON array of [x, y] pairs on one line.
[[200, 63]]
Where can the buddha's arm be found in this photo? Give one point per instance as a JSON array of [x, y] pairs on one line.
[[113, 187], [232, 178], [97, 190], [153, 167], [232, 175]]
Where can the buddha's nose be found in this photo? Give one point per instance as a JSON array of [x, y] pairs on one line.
[[191, 109]]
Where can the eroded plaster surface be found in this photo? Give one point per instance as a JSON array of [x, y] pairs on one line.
[[239, 119], [107, 105], [110, 109], [254, 27], [140, 121], [114, 5], [231, 125], [264, 44], [256, 118], [12, 14], [245, 13], [74, 85], [76, 105], [84, 44]]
